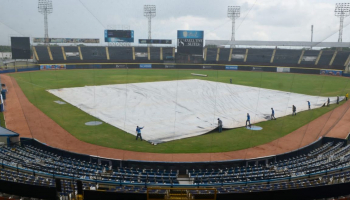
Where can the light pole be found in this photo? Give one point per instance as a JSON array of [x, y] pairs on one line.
[[342, 10], [233, 12], [312, 34], [149, 11], [45, 8]]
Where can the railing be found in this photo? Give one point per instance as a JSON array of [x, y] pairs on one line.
[[98, 179], [182, 193]]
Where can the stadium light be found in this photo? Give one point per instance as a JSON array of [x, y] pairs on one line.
[[149, 11], [233, 12], [45, 8], [312, 34], [342, 10]]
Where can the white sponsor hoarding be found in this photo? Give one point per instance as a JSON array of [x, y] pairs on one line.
[[141, 54], [237, 56], [309, 58], [283, 69], [72, 54]]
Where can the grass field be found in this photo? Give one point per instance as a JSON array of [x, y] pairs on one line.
[[72, 119], [2, 120]]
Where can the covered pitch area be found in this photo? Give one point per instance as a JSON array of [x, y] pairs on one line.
[[172, 110]]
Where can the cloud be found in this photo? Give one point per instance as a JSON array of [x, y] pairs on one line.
[[259, 20]]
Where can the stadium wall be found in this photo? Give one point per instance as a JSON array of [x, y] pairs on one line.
[[257, 68], [27, 190]]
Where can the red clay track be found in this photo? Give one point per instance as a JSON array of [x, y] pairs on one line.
[[27, 120]]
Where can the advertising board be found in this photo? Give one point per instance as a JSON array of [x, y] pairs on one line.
[[257, 69], [190, 42], [146, 66], [52, 67], [185, 34], [67, 40], [231, 67], [72, 54], [331, 72], [154, 41], [141, 54], [119, 36], [283, 69], [309, 58], [120, 66], [237, 56]]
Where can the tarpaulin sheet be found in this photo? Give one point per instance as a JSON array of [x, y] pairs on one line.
[[171, 110]]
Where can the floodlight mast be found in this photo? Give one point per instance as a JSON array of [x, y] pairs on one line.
[[233, 12], [312, 34], [45, 8], [149, 11], [342, 10]]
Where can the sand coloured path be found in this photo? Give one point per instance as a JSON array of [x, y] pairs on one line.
[[27, 120]]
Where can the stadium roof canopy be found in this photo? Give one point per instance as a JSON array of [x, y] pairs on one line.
[[6, 132], [277, 43]]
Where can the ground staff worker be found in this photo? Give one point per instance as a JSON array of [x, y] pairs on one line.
[[329, 101], [337, 99], [220, 125], [346, 96], [138, 131], [248, 120], [273, 114], [294, 110]]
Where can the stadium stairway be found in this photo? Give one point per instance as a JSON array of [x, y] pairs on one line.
[[185, 180]]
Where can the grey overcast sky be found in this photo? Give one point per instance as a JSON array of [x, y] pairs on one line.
[[287, 20]]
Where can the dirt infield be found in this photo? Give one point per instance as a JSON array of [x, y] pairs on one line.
[[27, 120]]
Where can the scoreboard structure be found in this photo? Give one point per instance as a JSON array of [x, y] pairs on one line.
[[190, 42], [119, 36], [154, 41], [66, 40], [20, 48]]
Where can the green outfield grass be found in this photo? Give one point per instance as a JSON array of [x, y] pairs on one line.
[[2, 120], [72, 119]]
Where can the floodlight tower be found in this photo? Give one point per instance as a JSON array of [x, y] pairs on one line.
[[233, 12], [45, 8], [342, 10], [312, 34], [149, 11]]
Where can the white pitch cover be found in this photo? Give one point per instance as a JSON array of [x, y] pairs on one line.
[[172, 110]]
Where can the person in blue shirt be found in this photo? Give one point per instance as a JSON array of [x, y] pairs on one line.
[[273, 114], [138, 131], [308, 103], [248, 120], [220, 125]]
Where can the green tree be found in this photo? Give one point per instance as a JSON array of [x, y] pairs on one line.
[[336, 48], [211, 46], [5, 49]]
